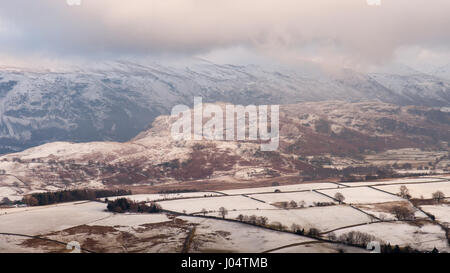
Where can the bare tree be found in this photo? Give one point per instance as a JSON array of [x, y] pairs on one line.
[[262, 220], [252, 219], [240, 217], [438, 196], [223, 212], [403, 213], [339, 197], [356, 238], [314, 232], [204, 212], [404, 192], [293, 204]]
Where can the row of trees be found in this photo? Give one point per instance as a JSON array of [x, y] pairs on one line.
[[122, 205], [353, 238], [313, 232], [47, 198], [253, 219], [292, 204]]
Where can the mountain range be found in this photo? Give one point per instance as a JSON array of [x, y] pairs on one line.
[[115, 101]]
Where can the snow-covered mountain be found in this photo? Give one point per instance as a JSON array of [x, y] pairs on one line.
[[117, 100]]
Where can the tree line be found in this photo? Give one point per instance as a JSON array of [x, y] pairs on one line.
[[48, 198], [122, 205]]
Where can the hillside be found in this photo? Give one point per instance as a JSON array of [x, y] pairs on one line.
[[319, 140], [115, 101]]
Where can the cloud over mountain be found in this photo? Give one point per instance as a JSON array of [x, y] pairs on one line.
[[345, 30]]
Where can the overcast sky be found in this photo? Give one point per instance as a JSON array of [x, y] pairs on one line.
[[341, 32]]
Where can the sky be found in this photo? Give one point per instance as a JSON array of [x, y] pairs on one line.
[[348, 33]]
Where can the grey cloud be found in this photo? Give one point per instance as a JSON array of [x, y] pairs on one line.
[[341, 30]]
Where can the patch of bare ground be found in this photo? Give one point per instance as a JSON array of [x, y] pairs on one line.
[[48, 246], [92, 244]]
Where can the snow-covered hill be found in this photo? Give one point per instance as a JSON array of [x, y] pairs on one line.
[[117, 100]]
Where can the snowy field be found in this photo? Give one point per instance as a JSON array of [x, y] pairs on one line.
[[441, 212], [423, 238], [22, 209], [36, 221], [308, 197], [362, 195], [168, 196], [328, 218], [241, 237], [62, 216], [395, 181], [218, 236], [195, 205], [322, 218], [287, 188], [211, 235], [420, 190]]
